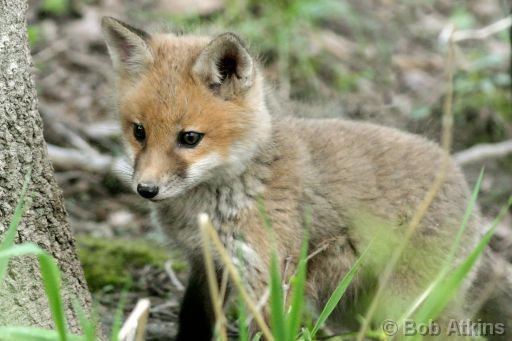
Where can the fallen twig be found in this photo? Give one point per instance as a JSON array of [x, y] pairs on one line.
[[101, 130], [135, 326], [483, 33], [73, 159], [172, 276], [481, 152]]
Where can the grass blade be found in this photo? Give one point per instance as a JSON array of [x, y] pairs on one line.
[[237, 283], [33, 334], [10, 234], [276, 301], [88, 325], [243, 329], [52, 281], [298, 284], [445, 290], [257, 337], [21, 250], [306, 335], [118, 317], [467, 215], [211, 276], [338, 293], [277, 316]]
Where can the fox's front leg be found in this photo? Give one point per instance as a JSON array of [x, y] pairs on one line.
[[196, 317]]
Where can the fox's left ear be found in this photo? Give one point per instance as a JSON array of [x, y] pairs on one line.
[[127, 46], [225, 66]]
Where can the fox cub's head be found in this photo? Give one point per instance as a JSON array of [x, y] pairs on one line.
[[192, 108]]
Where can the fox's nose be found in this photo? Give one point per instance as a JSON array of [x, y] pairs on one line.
[[147, 190]]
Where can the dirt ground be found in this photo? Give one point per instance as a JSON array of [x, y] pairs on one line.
[[376, 60]]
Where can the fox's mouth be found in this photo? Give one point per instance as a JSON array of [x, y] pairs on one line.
[[157, 199]]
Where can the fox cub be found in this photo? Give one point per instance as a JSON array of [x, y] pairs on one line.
[[198, 126]]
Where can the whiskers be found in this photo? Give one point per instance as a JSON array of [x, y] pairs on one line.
[[123, 170]]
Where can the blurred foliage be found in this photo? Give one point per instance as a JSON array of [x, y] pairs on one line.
[[462, 18], [286, 35], [34, 35], [112, 262], [283, 33], [56, 7], [278, 22], [482, 88]]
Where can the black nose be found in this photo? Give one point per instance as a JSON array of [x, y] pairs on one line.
[[147, 190]]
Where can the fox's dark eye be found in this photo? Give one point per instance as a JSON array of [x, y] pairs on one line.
[[139, 132], [189, 139]]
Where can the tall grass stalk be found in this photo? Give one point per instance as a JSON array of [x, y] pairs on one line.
[[237, 281], [220, 325]]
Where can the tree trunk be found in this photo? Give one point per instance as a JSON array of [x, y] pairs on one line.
[[22, 297]]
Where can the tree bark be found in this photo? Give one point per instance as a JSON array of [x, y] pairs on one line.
[[22, 297]]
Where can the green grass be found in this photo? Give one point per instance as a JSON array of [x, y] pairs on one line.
[[56, 7], [118, 319], [88, 326], [278, 317], [298, 284]]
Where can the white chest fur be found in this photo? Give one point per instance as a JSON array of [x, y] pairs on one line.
[[224, 202]]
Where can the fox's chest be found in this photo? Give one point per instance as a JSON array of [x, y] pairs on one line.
[[225, 206]]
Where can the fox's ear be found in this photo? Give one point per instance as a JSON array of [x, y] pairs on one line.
[[225, 66], [127, 46]]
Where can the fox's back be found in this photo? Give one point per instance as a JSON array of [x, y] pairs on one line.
[[359, 161]]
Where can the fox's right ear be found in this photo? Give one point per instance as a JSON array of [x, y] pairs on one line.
[[127, 46], [225, 66]]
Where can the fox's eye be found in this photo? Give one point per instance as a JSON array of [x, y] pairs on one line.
[[139, 132], [189, 139]]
